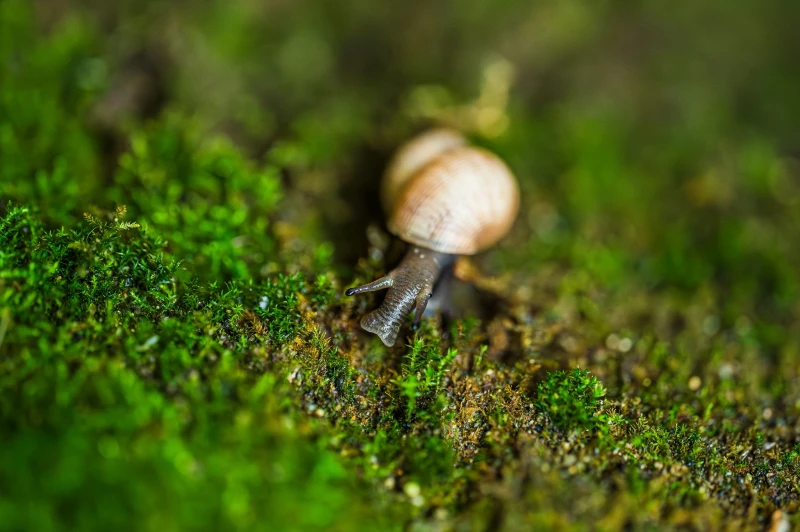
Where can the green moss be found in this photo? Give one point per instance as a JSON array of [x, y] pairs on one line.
[[212, 205], [120, 381], [422, 374], [573, 400]]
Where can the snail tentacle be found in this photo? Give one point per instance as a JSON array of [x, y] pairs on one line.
[[379, 284]]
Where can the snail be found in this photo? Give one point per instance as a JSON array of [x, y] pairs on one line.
[[445, 198]]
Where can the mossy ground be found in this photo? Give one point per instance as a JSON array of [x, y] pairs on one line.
[[187, 191]]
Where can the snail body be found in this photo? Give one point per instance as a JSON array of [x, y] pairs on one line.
[[445, 198]]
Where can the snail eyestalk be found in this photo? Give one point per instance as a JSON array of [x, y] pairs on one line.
[[379, 284], [410, 285]]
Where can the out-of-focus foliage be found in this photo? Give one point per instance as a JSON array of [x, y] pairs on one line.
[[187, 188], [210, 203]]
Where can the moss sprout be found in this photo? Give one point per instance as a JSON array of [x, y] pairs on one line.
[[573, 400]]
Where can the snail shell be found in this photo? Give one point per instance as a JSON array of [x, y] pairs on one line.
[[415, 154], [461, 202]]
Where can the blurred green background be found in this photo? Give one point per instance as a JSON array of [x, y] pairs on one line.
[[187, 362]]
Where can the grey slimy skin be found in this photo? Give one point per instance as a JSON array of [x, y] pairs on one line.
[[410, 285]]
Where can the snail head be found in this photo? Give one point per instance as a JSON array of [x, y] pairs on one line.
[[410, 286]]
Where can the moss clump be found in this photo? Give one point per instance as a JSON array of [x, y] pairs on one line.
[[122, 385], [422, 375], [572, 400], [211, 204], [60, 276]]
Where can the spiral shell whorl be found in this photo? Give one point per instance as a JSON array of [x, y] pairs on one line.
[[462, 202], [415, 154]]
